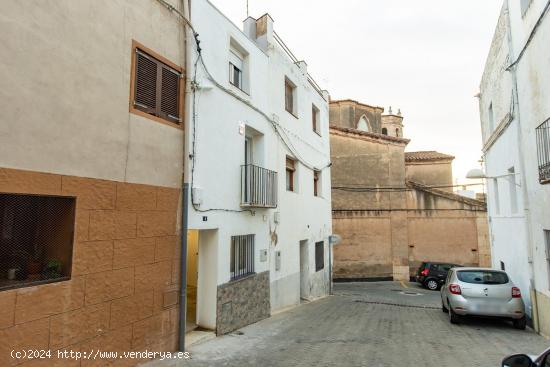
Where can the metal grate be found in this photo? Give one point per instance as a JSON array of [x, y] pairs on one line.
[[258, 187], [242, 256], [36, 239], [543, 151]]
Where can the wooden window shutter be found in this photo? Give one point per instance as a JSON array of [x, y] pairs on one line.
[[169, 106], [146, 83], [157, 88]]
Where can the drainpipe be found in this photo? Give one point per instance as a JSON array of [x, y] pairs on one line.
[[185, 5], [533, 290]]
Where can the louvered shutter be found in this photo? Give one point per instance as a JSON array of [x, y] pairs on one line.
[[146, 83], [169, 106]]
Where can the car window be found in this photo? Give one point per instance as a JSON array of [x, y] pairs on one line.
[[546, 362], [446, 267], [482, 277]]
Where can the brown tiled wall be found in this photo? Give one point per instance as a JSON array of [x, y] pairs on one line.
[[123, 292]]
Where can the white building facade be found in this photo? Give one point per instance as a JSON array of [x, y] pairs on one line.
[[258, 168], [515, 114]]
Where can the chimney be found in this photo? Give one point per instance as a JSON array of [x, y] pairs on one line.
[[249, 28], [264, 31], [303, 67]]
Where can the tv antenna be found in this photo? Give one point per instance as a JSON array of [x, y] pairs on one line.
[[247, 8]]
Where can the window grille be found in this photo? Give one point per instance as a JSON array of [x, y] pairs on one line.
[[543, 151], [242, 256], [36, 239]]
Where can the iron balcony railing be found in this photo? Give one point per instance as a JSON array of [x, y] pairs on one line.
[[258, 187], [543, 151]]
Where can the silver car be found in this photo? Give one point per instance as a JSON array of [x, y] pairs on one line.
[[482, 292]]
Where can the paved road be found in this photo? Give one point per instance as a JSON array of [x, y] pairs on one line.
[[366, 324]]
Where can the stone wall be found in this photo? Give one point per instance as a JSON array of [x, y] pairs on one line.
[[242, 302], [123, 291], [439, 173]]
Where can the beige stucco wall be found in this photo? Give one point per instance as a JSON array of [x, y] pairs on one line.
[[388, 234], [65, 71], [365, 251], [347, 114], [438, 173]]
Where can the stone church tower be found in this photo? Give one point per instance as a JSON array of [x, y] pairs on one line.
[[392, 124]]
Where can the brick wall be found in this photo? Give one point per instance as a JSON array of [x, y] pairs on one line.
[[123, 292]]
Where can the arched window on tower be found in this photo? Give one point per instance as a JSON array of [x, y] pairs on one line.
[[384, 131], [397, 132], [363, 124]]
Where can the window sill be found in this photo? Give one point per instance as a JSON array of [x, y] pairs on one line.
[[16, 284], [233, 86], [292, 114], [242, 277], [148, 116]]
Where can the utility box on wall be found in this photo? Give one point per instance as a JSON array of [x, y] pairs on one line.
[[277, 260], [263, 255]]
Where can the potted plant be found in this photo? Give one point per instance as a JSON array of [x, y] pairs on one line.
[[53, 269]]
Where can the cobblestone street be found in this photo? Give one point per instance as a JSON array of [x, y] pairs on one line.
[[366, 324]]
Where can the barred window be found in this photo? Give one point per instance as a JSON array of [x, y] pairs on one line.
[[156, 86], [242, 256], [319, 256], [36, 239], [543, 151]]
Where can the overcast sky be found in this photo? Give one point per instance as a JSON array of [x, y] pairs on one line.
[[425, 57]]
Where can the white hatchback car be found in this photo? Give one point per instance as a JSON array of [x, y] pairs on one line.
[[482, 292]]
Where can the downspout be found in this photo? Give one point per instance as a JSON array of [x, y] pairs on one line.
[[185, 187], [533, 291]]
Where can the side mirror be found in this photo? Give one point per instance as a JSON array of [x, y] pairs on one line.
[[518, 360]]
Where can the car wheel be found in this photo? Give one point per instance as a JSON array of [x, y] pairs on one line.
[[520, 323], [453, 317], [432, 284]]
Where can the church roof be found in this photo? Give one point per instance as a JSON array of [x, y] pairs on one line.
[[428, 155], [367, 135]]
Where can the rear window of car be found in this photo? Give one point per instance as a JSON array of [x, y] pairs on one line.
[[482, 277]]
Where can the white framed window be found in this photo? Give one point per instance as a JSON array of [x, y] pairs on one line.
[[496, 197], [315, 120], [290, 97], [513, 190], [236, 66]]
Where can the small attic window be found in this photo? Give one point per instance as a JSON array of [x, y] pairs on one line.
[[384, 131]]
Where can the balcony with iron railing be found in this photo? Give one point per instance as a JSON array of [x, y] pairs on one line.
[[258, 187], [543, 151]]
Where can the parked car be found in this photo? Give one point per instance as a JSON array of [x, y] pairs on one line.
[[482, 292], [433, 274], [524, 360]]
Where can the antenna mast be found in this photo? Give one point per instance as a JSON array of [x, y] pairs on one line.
[[247, 8]]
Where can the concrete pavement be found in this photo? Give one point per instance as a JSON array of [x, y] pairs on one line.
[[366, 324]]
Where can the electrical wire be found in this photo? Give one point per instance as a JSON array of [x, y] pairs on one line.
[[279, 130], [531, 36]]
